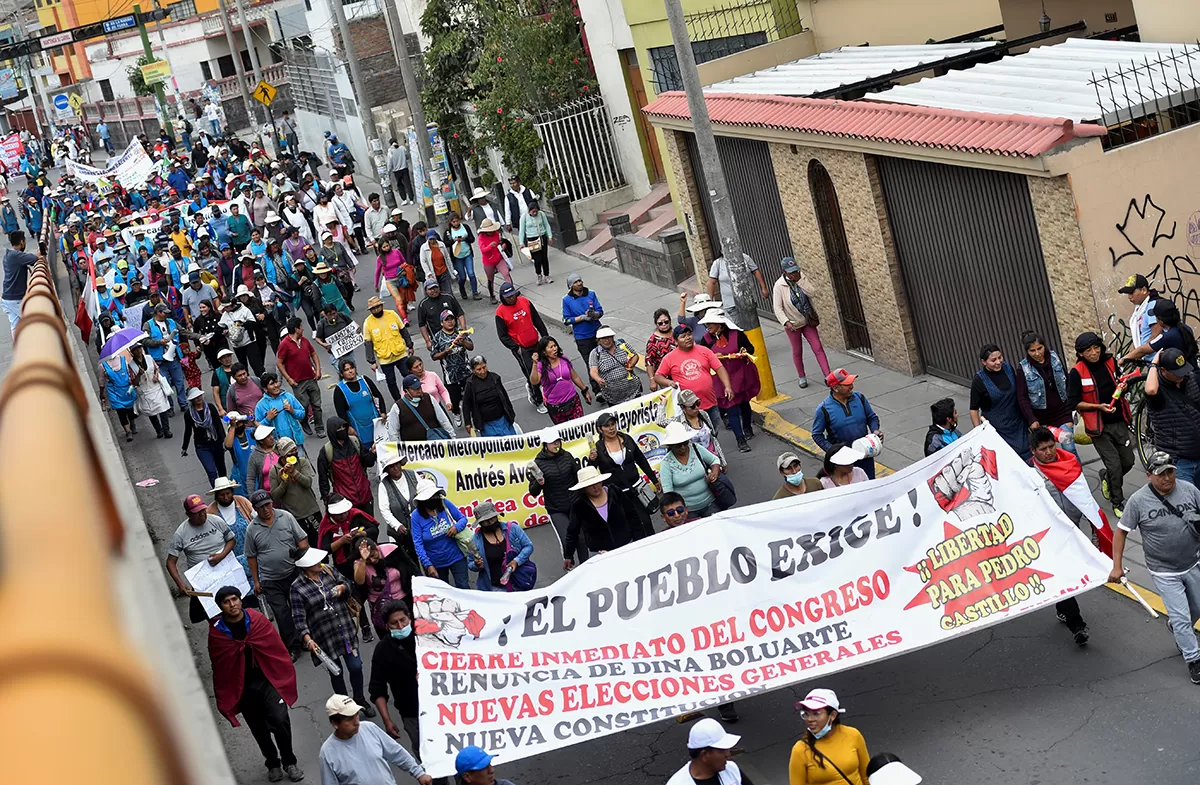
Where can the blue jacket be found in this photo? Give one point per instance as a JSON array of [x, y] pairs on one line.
[[157, 333], [835, 424], [10, 218], [518, 541], [285, 423], [433, 546], [573, 306], [179, 180]]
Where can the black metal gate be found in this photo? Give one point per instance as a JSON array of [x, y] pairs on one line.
[[972, 262], [841, 265], [757, 210]]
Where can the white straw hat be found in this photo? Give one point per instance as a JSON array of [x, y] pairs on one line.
[[589, 475]]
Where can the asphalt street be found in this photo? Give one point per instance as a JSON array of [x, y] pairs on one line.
[[1018, 703]]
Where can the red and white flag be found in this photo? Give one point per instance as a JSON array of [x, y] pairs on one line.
[[1066, 474], [89, 303]]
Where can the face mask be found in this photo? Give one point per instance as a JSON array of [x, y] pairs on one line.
[[796, 479], [401, 634], [824, 731]]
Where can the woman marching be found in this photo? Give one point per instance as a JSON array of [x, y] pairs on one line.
[[561, 385], [830, 752], [735, 351]]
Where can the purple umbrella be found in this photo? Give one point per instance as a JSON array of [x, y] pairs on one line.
[[120, 341]]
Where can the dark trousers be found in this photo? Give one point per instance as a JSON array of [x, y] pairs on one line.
[[585, 346], [1113, 445], [740, 421], [456, 393], [1069, 610], [277, 594], [403, 185], [541, 259], [308, 392], [266, 715], [560, 521], [389, 372], [525, 360], [212, 458], [353, 664]]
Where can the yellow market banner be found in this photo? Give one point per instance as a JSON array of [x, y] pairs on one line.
[[495, 468], [158, 71]]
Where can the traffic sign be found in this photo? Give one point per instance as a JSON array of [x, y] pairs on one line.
[[54, 40], [265, 93], [62, 102], [120, 23], [76, 101]]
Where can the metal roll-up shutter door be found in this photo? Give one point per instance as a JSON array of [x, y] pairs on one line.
[[757, 210], [972, 261]]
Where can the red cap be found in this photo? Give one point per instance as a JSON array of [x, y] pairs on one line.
[[840, 376], [194, 503]]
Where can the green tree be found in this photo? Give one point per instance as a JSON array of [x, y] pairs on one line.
[[531, 60], [136, 82]]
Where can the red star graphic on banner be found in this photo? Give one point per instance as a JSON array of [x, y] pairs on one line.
[[953, 575]]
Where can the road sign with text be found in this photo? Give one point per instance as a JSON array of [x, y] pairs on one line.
[[265, 93]]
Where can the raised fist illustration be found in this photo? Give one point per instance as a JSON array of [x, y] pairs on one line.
[[963, 486]]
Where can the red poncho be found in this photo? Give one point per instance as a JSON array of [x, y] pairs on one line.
[[229, 663]]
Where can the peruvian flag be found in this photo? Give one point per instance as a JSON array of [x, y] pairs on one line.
[[1066, 474], [89, 304]]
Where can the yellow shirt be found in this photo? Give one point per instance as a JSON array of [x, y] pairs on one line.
[[383, 332], [844, 746], [180, 238]]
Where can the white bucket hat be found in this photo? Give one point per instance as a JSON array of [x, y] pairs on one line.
[[676, 433], [427, 489], [391, 458], [589, 475]]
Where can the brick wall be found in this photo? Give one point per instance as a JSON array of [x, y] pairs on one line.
[[687, 200], [1066, 261], [373, 47], [868, 236]]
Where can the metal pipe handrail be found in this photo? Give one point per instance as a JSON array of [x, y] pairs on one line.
[[59, 532]]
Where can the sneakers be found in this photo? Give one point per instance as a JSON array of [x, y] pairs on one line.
[[274, 774], [1082, 636], [743, 446], [457, 420], [1118, 511], [529, 394], [1194, 671], [541, 408], [728, 712], [493, 300], [366, 635], [803, 382], [541, 280], [293, 772], [1104, 487], [476, 296]]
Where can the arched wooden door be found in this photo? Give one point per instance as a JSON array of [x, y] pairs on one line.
[[841, 266]]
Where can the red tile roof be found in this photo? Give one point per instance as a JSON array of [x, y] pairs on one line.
[[977, 132]]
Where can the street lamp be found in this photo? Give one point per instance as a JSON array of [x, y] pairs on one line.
[[1044, 19]]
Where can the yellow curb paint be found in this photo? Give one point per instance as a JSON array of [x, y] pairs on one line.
[[774, 423]]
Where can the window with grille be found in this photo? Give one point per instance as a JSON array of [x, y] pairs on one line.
[[185, 9], [665, 66]]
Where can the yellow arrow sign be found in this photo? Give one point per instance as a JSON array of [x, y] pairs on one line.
[[264, 93]]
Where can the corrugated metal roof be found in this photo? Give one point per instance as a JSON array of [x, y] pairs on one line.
[[1056, 81], [977, 132], [845, 66]]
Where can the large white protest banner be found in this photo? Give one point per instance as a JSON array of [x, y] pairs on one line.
[[749, 600], [131, 168]]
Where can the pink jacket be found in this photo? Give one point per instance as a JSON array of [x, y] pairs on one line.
[[489, 248], [431, 384], [388, 266]]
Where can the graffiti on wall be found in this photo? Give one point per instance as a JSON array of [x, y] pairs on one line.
[[1144, 236]]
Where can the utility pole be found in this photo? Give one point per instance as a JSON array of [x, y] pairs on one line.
[[159, 95], [237, 62], [375, 149], [415, 109], [722, 208]]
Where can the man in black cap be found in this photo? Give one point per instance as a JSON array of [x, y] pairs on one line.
[[272, 539], [1090, 387], [1173, 400], [1138, 290]]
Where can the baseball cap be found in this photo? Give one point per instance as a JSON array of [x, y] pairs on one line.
[[431, 283], [680, 330], [1134, 282], [821, 699], [339, 507], [1159, 462], [507, 289], [470, 759], [789, 265], [606, 332], [448, 314], [193, 503], [341, 705], [709, 733], [786, 460], [411, 382], [840, 376], [260, 497], [550, 435], [262, 432], [1172, 360]]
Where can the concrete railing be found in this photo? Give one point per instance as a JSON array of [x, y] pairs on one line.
[[63, 643]]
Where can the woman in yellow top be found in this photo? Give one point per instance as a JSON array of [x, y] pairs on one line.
[[830, 753]]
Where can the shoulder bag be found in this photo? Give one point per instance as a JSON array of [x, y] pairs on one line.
[[524, 577], [353, 606], [722, 488], [431, 434]]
